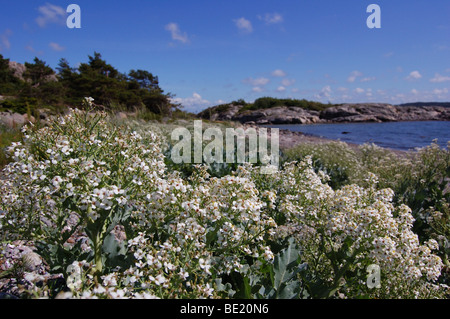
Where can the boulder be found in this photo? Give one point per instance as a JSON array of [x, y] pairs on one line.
[[338, 112], [12, 120]]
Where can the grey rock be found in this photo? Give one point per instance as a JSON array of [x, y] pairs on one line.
[[346, 113], [338, 112], [18, 69], [12, 120]]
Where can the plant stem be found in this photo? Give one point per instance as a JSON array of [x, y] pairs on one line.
[[98, 255]]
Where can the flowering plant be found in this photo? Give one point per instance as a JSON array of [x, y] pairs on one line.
[[103, 210], [73, 182]]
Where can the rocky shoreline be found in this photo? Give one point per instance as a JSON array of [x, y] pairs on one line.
[[345, 113], [289, 139]]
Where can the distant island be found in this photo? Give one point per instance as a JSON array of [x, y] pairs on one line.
[[444, 104], [269, 110]]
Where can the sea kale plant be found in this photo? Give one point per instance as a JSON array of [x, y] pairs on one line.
[[71, 183], [420, 179], [97, 202], [341, 233]]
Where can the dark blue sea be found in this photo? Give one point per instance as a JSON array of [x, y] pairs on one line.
[[394, 135]]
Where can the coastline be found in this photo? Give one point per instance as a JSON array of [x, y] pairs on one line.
[[345, 113], [290, 139]]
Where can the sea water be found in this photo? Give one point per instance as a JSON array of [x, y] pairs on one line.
[[394, 135]]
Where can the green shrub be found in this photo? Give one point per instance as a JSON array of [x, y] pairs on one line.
[[270, 102], [7, 136]]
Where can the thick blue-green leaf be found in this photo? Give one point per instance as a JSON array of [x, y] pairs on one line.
[[285, 265]]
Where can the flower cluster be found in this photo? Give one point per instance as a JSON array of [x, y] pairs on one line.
[[106, 213], [354, 227]]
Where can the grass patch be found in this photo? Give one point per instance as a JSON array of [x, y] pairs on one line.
[[7, 136]]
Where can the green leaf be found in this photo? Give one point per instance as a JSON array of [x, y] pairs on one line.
[[284, 265], [289, 290], [212, 235], [226, 288], [114, 252], [112, 247]]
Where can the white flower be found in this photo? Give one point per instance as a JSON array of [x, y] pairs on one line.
[[169, 266], [159, 280], [205, 265], [56, 181], [432, 244], [99, 290], [183, 274]]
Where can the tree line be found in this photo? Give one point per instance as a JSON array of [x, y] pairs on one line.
[[39, 86]]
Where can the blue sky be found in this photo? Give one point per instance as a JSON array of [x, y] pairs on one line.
[[208, 52]]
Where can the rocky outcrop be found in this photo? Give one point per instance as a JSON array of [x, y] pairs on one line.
[[345, 113], [18, 69], [224, 113], [361, 113], [11, 119], [22, 269], [278, 115], [14, 120]]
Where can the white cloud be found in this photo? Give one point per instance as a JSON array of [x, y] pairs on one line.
[[244, 25], [368, 79], [440, 78], [414, 75], [194, 103], [279, 73], [55, 46], [4, 40], [353, 76], [288, 82], [281, 89], [272, 18], [50, 13], [257, 89], [325, 92], [359, 90], [176, 33], [32, 49], [440, 91], [414, 91], [256, 82]]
